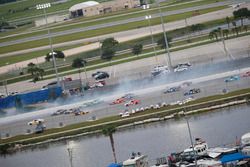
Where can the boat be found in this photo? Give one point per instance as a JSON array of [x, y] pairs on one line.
[[200, 148], [245, 142], [245, 139], [136, 160]]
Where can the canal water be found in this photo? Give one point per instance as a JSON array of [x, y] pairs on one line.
[[218, 128]]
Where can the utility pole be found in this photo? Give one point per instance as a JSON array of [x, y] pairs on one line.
[[165, 37], [70, 147], [5, 87], [44, 6], [148, 17], [190, 136]]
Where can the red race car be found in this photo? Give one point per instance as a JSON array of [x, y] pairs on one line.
[[246, 74], [118, 101], [132, 102]]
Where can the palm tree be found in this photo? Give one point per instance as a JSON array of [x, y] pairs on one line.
[[31, 68], [137, 49], [214, 34], [211, 35], [228, 21], [225, 33], [108, 131], [79, 63]]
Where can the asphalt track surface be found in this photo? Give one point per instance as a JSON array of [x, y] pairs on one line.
[[76, 30], [209, 78]]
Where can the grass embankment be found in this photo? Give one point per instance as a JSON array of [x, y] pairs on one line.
[[86, 127], [102, 31], [91, 21]]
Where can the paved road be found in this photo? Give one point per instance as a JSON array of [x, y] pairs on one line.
[[120, 22], [210, 53], [120, 36], [210, 81]]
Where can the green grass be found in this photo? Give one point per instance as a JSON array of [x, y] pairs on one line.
[[117, 17], [144, 40], [27, 56], [25, 8], [102, 31], [15, 78], [95, 125]]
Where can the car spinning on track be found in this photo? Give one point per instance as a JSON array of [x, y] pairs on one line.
[[132, 102], [128, 96], [192, 91], [118, 101], [36, 122], [100, 75], [160, 69], [186, 84], [81, 113], [232, 78], [246, 74], [172, 89]]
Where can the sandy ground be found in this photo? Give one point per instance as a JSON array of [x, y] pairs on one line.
[[120, 36]]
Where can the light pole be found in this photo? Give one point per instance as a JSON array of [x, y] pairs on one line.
[[165, 36], [70, 147], [148, 17], [44, 6]]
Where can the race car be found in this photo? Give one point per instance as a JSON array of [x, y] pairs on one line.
[[128, 96], [81, 113], [118, 101], [192, 91], [132, 102], [232, 78], [246, 74], [36, 122]]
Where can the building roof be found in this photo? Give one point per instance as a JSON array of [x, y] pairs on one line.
[[82, 5]]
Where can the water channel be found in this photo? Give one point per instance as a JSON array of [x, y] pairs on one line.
[[159, 139]]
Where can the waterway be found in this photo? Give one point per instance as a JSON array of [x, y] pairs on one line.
[[218, 128]]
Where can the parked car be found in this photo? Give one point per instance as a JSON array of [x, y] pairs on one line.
[[172, 89], [192, 91], [232, 78]]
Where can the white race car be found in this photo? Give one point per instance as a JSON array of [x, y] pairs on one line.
[[36, 122]]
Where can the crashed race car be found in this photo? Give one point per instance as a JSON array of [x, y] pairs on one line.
[[118, 101], [36, 122], [132, 102]]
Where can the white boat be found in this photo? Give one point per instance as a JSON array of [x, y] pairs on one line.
[[245, 142], [136, 160], [200, 148], [245, 139]]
